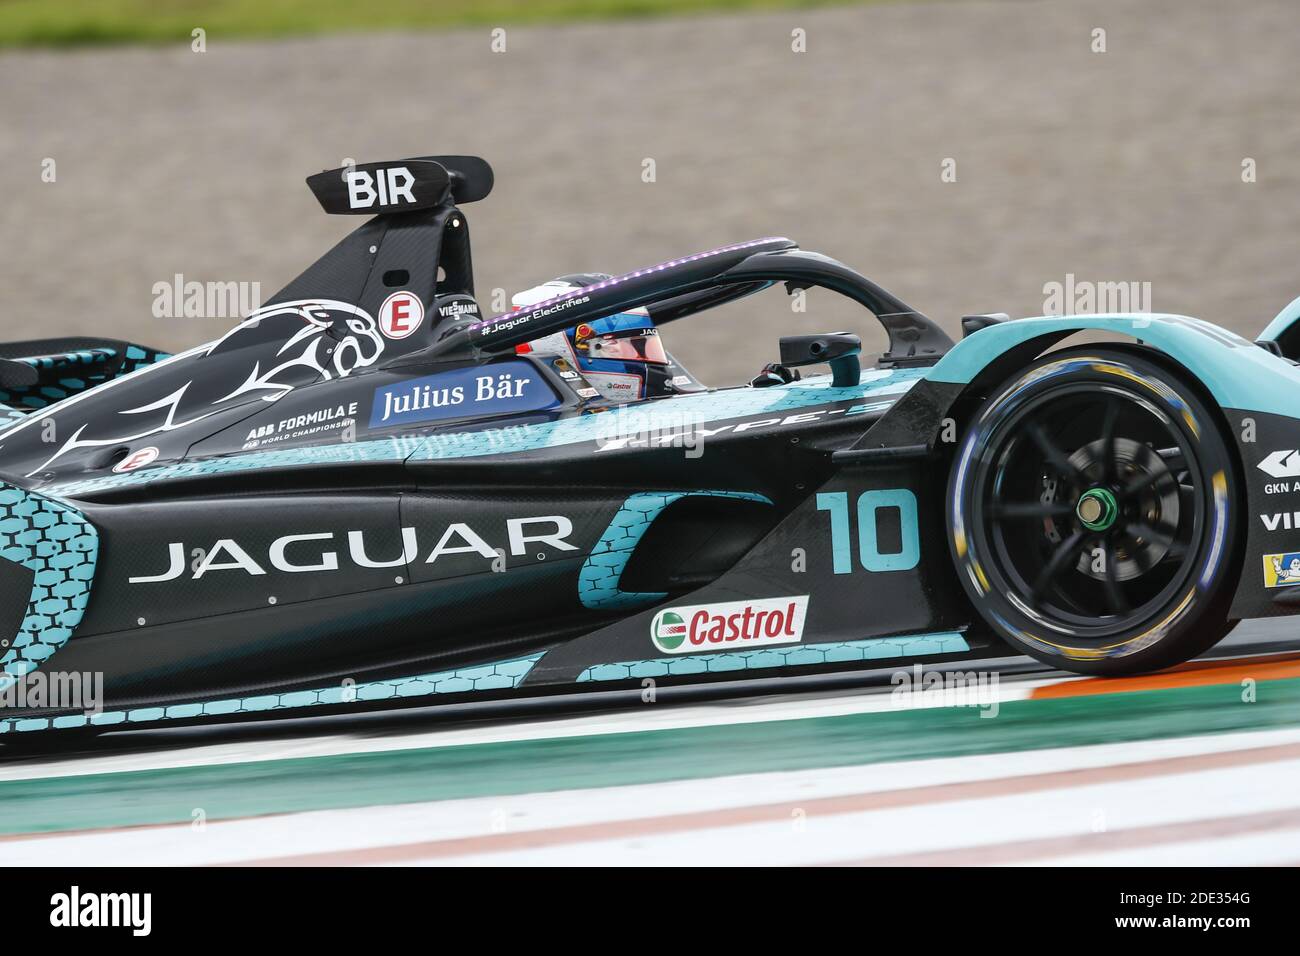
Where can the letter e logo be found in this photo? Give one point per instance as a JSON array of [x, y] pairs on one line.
[[400, 315]]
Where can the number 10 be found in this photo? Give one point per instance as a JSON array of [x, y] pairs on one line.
[[869, 503]]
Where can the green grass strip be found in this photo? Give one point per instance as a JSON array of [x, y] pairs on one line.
[[84, 22]]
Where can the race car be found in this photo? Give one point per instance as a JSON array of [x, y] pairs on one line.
[[370, 495]]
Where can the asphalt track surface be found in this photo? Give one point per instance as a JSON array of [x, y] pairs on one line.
[[1116, 167], [1194, 766]]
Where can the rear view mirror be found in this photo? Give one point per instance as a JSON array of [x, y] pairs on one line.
[[838, 349]]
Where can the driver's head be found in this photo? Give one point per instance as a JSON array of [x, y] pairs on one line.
[[620, 355]]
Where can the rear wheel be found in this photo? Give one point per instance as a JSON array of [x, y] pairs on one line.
[[1091, 514]]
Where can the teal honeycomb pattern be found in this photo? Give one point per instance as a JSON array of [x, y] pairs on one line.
[[598, 579], [801, 655], [65, 359], [42, 396], [59, 546], [89, 361], [389, 449], [503, 675]]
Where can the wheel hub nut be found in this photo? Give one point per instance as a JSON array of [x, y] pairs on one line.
[[1097, 509]]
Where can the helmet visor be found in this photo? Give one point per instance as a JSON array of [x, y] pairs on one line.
[[641, 347]]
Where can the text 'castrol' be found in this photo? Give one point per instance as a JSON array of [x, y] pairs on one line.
[[729, 626]]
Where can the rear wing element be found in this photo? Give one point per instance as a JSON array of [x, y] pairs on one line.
[[681, 287], [406, 185], [416, 241]]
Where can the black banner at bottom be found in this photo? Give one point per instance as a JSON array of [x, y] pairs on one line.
[[332, 907]]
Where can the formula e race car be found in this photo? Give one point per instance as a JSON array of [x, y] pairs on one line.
[[370, 495]]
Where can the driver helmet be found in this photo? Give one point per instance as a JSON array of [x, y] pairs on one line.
[[620, 355]]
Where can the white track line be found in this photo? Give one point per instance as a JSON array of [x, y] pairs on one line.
[[937, 827], [368, 827]]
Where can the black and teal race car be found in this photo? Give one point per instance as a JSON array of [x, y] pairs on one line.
[[366, 496]]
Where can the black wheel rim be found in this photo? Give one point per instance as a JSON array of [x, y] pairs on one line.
[[1092, 503]]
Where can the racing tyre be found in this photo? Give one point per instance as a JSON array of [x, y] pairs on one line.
[[1092, 514]]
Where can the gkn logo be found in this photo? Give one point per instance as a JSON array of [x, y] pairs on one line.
[[387, 187], [1281, 464], [716, 627]]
